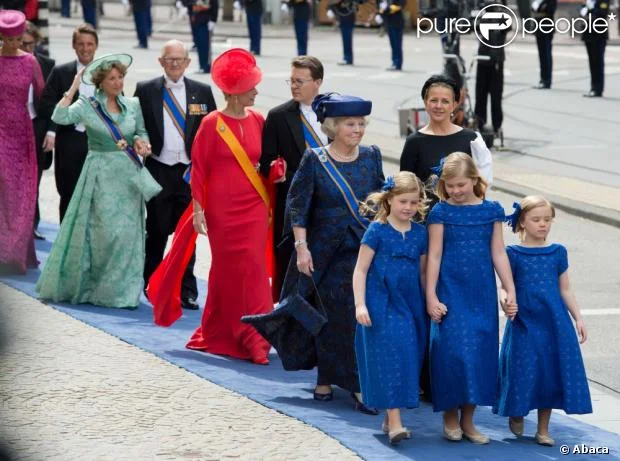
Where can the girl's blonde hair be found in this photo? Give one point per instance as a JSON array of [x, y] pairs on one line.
[[460, 164], [527, 204], [403, 182]]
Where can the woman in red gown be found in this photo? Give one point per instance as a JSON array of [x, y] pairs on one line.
[[231, 206]]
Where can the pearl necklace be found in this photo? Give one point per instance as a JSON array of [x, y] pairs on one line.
[[344, 158]]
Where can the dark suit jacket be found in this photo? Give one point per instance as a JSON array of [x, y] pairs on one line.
[[57, 83], [150, 95], [41, 123]]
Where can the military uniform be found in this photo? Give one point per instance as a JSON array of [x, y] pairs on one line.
[[595, 45], [345, 11], [544, 9], [254, 17], [301, 20], [392, 13]]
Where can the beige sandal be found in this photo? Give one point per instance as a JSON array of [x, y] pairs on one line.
[[398, 434], [516, 426]]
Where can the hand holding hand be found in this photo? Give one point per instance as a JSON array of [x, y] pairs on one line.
[[362, 316], [304, 260], [142, 147], [436, 310]]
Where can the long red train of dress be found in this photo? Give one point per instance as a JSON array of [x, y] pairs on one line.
[[237, 225]]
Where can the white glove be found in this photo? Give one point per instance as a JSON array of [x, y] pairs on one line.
[[383, 5], [236, 5], [179, 5], [330, 14], [536, 5], [584, 11], [284, 8], [211, 26], [590, 4], [378, 19]]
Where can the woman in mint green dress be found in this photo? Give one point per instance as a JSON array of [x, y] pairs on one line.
[[98, 256]]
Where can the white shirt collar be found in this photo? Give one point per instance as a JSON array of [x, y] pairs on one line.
[[305, 108], [180, 83]]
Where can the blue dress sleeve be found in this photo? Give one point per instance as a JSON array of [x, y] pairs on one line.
[[372, 236], [299, 199], [562, 260], [498, 211], [379, 162], [436, 216], [424, 245]]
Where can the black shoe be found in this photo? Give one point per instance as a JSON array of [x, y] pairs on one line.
[[38, 235], [542, 86], [323, 397], [190, 304], [359, 406], [593, 94]]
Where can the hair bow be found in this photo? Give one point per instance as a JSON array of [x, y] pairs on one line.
[[318, 105], [388, 184], [438, 169], [513, 219]]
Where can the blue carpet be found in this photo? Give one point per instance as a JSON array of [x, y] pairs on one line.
[[291, 392]]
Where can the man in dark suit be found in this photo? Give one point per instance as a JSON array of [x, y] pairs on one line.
[[69, 141], [173, 107], [595, 39], [40, 124], [290, 129]]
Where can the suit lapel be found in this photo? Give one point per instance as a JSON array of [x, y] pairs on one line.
[[158, 105], [294, 123], [70, 78]]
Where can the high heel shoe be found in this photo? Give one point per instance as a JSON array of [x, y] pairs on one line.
[[385, 428], [359, 406], [323, 397]]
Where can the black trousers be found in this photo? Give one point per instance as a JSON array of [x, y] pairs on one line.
[[162, 215], [70, 155], [596, 58], [489, 80], [545, 57]]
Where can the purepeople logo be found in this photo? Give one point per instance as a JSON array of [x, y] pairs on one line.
[[500, 17]]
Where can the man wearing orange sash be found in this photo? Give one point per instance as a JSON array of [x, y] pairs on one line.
[[231, 205]]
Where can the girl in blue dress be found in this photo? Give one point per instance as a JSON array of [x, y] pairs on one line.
[[465, 246], [540, 360], [389, 306]]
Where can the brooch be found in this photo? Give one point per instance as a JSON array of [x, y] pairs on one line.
[[323, 157], [222, 128], [121, 144]]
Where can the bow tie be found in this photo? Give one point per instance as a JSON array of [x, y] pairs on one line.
[[176, 85]]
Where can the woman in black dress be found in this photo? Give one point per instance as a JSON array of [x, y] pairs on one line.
[[425, 148]]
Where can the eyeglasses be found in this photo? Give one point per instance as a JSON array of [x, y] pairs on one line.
[[174, 60], [297, 81]]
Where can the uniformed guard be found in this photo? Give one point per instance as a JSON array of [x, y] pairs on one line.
[[596, 41], [202, 17], [542, 9], [490, 78], [254, 18], [301, 21], [391, 12], [345, 12]]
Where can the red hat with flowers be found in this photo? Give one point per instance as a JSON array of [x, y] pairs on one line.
[[235, 71], [12, 23]]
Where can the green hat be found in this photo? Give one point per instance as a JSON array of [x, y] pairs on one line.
[[104, 61]]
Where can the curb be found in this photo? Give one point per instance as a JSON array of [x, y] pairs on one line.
[[574, 207]]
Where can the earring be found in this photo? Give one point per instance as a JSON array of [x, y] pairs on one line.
[[451, 114]]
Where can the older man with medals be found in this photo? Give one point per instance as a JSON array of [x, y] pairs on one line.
[[173, 107]]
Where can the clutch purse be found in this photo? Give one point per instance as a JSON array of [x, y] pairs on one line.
[[144, 182], [277, 170]]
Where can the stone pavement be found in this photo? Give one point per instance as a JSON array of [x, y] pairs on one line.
[[70, 391]]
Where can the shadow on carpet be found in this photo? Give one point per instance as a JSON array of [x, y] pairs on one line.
[[291, 392]]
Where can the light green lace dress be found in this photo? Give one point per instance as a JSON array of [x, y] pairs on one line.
[[98, 256]]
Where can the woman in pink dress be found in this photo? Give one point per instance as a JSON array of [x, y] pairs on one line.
[[18, 157]]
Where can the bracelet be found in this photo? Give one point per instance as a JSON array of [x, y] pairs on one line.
[[300, 243]]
